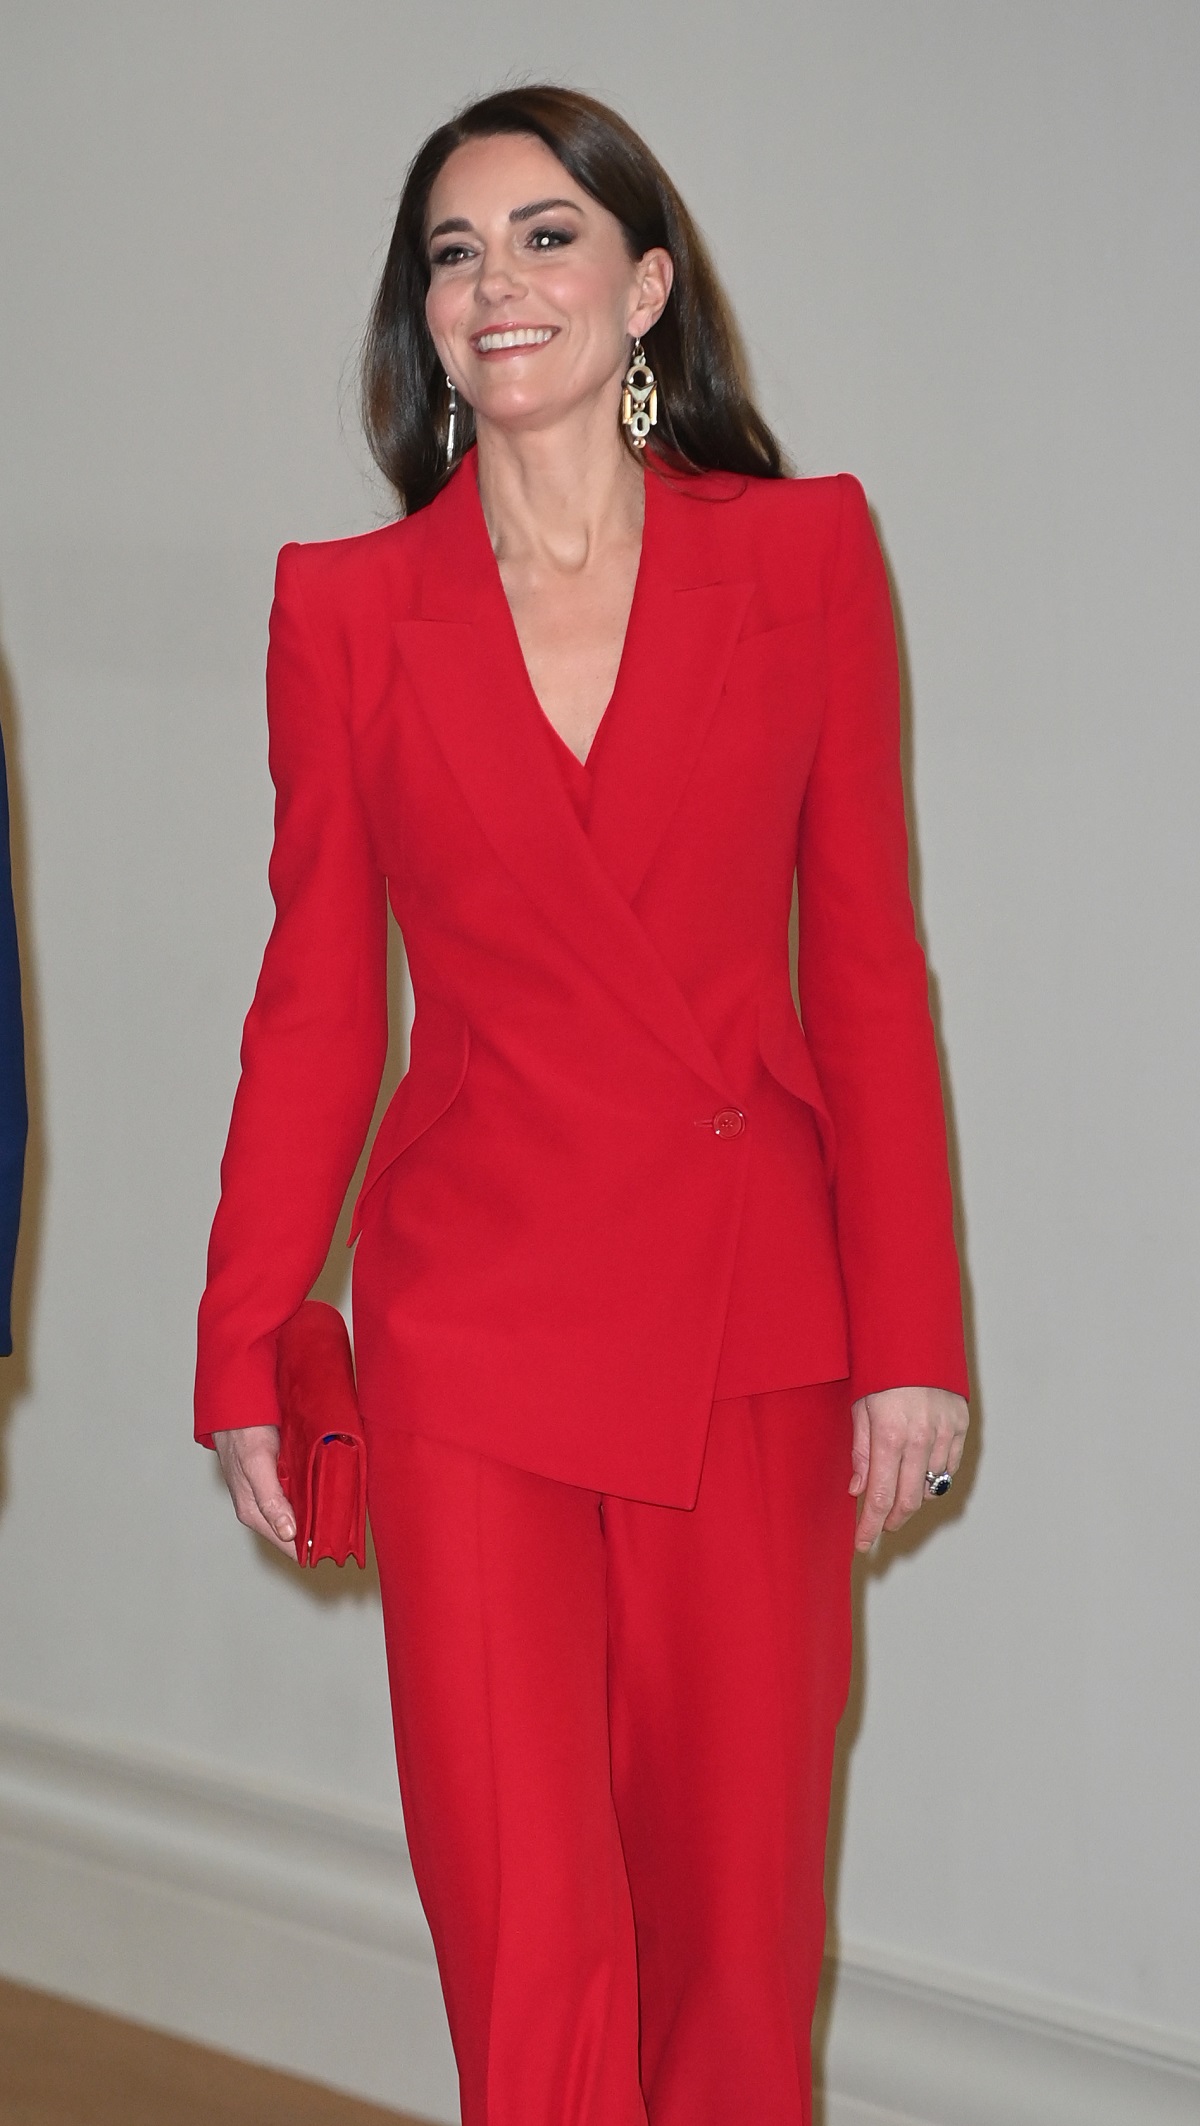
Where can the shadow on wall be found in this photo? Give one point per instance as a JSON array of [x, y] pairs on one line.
[[917, 1532], [328, 1583], [15, 1378]]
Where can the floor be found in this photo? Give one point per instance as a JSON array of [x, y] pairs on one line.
[[61, 2065]]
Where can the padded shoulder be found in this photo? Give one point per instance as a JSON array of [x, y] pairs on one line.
[[333, 571], [808, 506], [790, 533]]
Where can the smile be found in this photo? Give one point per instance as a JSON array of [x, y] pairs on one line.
[[507, 336]]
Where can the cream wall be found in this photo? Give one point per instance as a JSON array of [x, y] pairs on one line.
[[962, 239]]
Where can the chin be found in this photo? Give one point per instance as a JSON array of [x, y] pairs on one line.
[[520, 410]]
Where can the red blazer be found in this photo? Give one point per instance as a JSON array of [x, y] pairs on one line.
[[618, 1179]]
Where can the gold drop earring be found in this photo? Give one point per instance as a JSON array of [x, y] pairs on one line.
[[639, 399]]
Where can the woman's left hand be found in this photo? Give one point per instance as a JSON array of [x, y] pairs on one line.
[[900, 1435]]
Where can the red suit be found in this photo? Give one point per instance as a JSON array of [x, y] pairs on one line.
[[619, 1184]]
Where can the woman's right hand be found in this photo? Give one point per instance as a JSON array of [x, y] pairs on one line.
[[249, 1461]]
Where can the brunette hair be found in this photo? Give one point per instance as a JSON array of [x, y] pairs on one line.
[[707, 420]]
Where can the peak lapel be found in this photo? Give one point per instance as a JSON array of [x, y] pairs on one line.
[[464, 661], [680, 639]]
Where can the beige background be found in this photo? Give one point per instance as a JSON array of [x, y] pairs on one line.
[[962, 239]]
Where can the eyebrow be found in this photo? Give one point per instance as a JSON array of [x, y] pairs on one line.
[[542, 206], [459, 225]]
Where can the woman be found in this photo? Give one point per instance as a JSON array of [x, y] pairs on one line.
[[651, 1286]]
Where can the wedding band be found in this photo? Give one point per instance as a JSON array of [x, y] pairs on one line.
[[938, 1483]]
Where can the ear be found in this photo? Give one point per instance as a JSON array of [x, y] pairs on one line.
[[652, 285]]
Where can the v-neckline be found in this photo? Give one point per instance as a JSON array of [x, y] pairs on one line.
[[569, 756], [638, 590], [458, 650]]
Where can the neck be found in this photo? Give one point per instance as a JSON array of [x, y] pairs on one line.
[[559, 495]]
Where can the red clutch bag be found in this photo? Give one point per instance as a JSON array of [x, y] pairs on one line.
[[322, 1449]]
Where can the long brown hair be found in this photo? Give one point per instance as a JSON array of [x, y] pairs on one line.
[[707, 420]]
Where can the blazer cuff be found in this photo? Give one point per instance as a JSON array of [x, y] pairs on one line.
[[911, 1369], [234, 1392]]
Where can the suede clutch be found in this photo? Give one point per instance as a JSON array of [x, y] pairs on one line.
[[322, 1449]]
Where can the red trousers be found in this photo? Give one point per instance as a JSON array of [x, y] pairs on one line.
[[615, 1726]]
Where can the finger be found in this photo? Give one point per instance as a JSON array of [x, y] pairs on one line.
[[250, 1517], [942, 1450], [860, 1451], [910, 1482], [880, 1492], [258, 1495], [947, 1449], [273, 1508]]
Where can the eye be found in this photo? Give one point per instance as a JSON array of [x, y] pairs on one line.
[[547, 239], [450, 255]]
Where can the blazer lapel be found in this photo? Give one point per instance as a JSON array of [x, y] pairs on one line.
[[680, 639], [464, 661]]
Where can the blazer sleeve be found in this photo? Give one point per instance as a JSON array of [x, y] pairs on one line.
[[865, 1001], [315, 1038]]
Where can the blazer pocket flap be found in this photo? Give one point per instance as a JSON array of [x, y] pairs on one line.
[[785, 1052], [439, 1046]]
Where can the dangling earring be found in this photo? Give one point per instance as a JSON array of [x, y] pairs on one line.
[[452, 422], [639, 399]]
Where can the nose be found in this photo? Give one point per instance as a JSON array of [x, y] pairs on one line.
[[498, 276]]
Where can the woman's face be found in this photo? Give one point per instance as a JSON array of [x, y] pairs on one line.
[[533, 296]]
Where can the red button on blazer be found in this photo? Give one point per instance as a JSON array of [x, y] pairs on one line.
[[555, 1265], [729, 1122]]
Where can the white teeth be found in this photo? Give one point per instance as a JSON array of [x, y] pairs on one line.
[[521, 336]]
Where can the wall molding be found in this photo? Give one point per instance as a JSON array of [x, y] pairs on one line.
[[285, 1926], [281, 1926], [913, 2044]]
